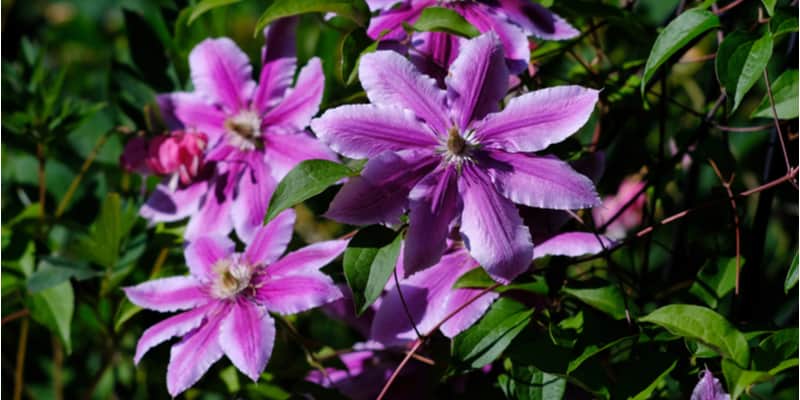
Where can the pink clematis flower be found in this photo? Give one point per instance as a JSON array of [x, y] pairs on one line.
[[630, 191], [256, 132], [430, 297], [512, 20], [178, 155], [454, 159], [709, 388], [229, 296]]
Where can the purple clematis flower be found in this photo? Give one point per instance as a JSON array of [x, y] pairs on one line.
[[512, 20], [256, 132], [229, 296], [453, 159], [709, 388], [430, 297]]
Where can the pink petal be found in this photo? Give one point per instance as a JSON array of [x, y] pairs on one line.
[[492, 228], [198, 114], [254, 191], [514, 40], [300, 103], [222, 73], [544, 182], [194, 355], [308, 259], [246, 335], [366, 130], [572, 244], [297, 293], [434, 205], [168, 294], [278, 64], [202, 253], [380, 194], [177, 325], [213, 216], [167, 205], [477, 80], [538, 21], [282, 152], [270, 241], [535, 120], [390, 80], [391, 22], [469, 314]]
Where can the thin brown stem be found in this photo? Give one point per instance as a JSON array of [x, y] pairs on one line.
[[405, 305], [20, 367], [728, 7], [15, 315], [742, 128], [777, 122], [727, 185], [73, 186]]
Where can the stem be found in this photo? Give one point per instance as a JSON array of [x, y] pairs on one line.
[[777, 122], [42, 182], [20, 367], [73, 186], [58, 362], [405, 306], [15, 315]]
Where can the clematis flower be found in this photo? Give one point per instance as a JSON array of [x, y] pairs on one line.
[[512, 20], [177, 155], [429, 295], [709, 388], [256, 132], [630, 191], [227, 299], [453, 158]]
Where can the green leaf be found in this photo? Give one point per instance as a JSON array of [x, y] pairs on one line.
[[769, 5], [369, 261], [791, 276], [102, 245], [485, 341], [715, 280], [776, 349], [207, 5], [125, 312], [305, 180], [740, 63], [478, 278], [352, 9], [674, 37], [607, 299], [593, 350], [782, 23], [784, 90], [52, 271], [647, 393], [739, 379], [531, 383], [53, 308], [703, 325], [439, 19]]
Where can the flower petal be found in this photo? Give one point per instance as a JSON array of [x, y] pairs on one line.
[[297, 293], [365, 130], [434, 205], [425, 295], [301, 102], [176, 325], [477, 80], [380, 194], [391, 21], [168, 294], [538, 21], [194, 355], [278, 64], [247, 335], [492, 228], [514, 40], [535, 120], [544, 182], [213, 216], [572, 244], [222, 73], [166, 107], [308, 259], [167, 205], [202, 253], [270, 241], [390, 80], [197, 114], [254, 191], [282, 152], [468, 315]]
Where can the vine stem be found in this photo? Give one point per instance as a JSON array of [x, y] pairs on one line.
[[777, 122], [418, 343], [20, 367], [73, 186], [727, 185]]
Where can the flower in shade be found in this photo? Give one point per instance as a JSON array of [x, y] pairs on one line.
[[625, 207], [512, 20], [454, 159], [429, 295], [228, 297], [256, 132], [709, 388]]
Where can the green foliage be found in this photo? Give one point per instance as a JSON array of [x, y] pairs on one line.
[[438, 19], [784, 92], [741, 60], [306, 180], [355, 10], [369, 261]]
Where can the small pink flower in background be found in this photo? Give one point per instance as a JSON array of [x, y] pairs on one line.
[[256, 132], [630, 191], [178, 155], [229, 295], [709, 388], [512, 20], [454, 159]]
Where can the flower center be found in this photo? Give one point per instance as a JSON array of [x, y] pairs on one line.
[[232, 277], [458, 148], [244, 130]]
